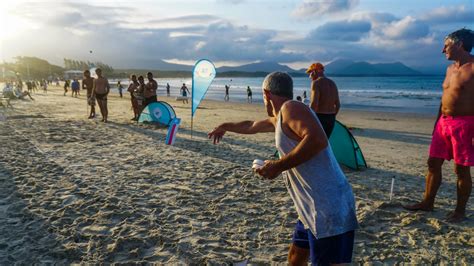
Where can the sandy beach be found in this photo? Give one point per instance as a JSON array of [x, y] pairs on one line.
[[74, 190]]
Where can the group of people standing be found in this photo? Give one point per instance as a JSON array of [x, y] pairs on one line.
[[32, 85], [98, 89], [142, 93]]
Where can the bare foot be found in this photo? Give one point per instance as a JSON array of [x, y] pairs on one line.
[[418, 207], [455, 217]]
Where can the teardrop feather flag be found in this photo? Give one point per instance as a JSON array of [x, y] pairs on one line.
[[204, 73]]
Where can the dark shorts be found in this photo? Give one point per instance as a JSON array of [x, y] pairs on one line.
[[101, 97], [149, 100], [324, 251], [327, 121]]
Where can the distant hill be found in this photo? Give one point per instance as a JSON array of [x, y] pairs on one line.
[[335, 68], [350, 68], [156, 64], [338, 65], [164, 66], [257, 67]]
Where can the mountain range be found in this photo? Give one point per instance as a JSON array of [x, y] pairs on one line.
[[336, 68], [350, 68]]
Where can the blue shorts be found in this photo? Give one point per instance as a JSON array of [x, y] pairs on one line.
[[324, 251]]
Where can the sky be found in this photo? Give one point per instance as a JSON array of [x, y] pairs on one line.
[[135, 34]]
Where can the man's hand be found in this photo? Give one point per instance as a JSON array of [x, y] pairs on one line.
[[270, 170], [216, 134]]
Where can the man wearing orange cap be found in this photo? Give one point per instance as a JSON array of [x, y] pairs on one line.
[[324, 97]]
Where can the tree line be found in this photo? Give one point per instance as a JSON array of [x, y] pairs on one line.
[[30, 67], [27, 67], [71, 64]]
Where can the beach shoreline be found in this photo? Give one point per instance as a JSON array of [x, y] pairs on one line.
[[75, 190]]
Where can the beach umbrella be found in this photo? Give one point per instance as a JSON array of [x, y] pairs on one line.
[[204, 73]]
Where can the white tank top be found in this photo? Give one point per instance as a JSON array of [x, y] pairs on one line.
[[321, 193]]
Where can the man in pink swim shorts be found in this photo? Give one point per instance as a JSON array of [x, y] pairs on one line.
[[453, 136]]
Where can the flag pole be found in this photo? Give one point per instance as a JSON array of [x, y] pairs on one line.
[[191, 126]]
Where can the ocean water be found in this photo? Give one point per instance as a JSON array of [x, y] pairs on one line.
[[389, 94]]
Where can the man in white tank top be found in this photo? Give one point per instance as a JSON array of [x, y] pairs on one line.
[[322, 196]]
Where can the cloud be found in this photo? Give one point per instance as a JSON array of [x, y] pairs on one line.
[[376, 18], [233, 2], [316, 8], [127, 41], [341, 30], [407, 28], [225, 41], [66, 19], [140, 40], [451, 14]]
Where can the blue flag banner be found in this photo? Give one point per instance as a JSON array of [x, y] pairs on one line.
[[204, 73]]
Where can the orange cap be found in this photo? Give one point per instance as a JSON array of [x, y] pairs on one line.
[[315, 67]]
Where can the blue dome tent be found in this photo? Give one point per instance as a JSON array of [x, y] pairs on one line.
[[158, 112]]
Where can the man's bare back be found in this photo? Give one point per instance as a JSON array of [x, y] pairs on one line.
[[88, 83], [324, 96], [458, 90]]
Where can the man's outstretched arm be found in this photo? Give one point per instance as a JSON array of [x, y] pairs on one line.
[[244, 127]]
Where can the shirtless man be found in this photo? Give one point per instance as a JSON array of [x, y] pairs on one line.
[[88, 84], [324, 97], [132, 88], [150, 90], [453, 137], [100, 92]]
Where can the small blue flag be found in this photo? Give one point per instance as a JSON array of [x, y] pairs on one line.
[[204, 73]]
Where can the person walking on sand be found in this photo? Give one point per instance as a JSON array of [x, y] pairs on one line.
[[453, 135], [100, 92], [249, 94], [226, 97], [66, 85], [184, 93], [150, 90], [120, 88], [45, 88], [33, 86], [321, 193], [167, 90], [132, 88], [324, 97], [88, 85], [75, 87]]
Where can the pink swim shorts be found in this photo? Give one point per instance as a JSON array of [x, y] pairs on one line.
[[453, 138]]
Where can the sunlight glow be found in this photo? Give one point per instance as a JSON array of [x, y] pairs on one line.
[[12, 25]]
